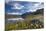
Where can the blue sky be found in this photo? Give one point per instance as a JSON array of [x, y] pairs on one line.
[[20, 7]]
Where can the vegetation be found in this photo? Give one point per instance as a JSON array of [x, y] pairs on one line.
[[26, 24], [34, 21]]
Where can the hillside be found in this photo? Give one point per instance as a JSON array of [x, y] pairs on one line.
[[39, 11]]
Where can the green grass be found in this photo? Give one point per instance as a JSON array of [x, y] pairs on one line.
[[23, 25]]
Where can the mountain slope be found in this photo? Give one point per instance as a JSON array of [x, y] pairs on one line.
[[39, 11]]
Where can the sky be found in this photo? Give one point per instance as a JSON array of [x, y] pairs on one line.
[[25, 0], [20, 7]]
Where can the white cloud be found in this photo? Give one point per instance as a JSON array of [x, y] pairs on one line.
[[7, 1], [30, 0], [14, 13], [35, 7], [15, 19], [17, 6], [32, 10], [25, 0]]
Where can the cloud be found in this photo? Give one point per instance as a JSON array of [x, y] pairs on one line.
[[11, 19], [29, 7], [17, 6], [14, 13], [25, 0], [7, 1], [35, 7]]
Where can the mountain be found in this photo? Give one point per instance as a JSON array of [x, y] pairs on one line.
[[38, 11], [12, 16]]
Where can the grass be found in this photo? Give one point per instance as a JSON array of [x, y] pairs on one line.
[[26, 24]]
